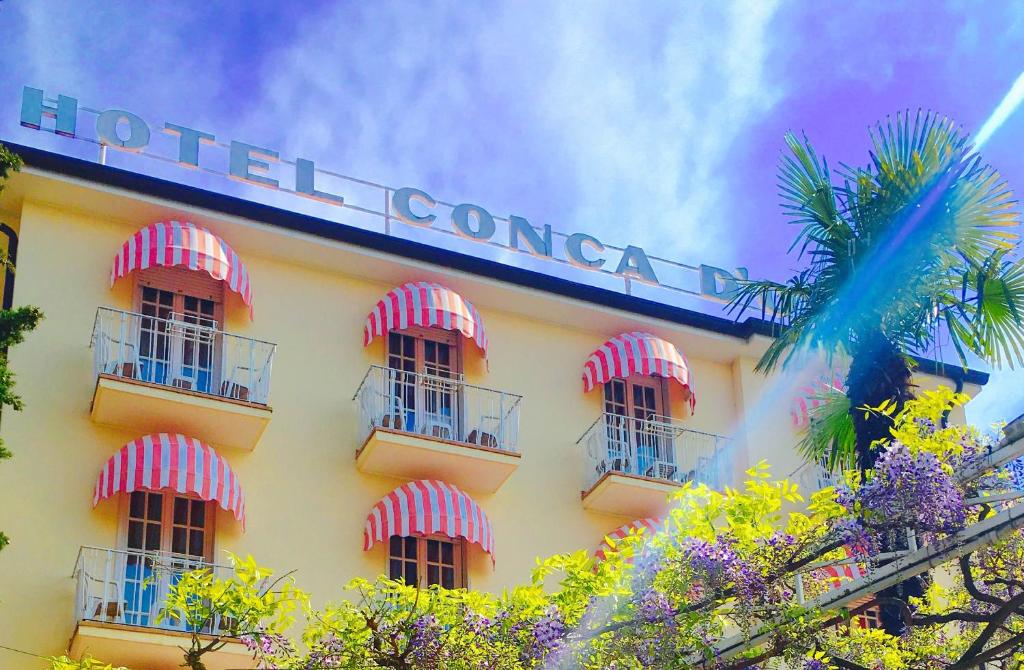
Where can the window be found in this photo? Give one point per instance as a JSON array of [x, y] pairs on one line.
[[426, 561], [639, 440], [869, 618], [178, 330], [168, 523], [165, 535], [424, 375]]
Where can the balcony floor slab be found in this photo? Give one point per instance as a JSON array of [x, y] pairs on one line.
[[629, 495], [147, 407], [150, 648], [471, 467]]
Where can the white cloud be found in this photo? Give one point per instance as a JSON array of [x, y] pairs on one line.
[[586, 116]]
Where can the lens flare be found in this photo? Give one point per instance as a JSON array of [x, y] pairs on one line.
[[869, 285], [1006, 107]]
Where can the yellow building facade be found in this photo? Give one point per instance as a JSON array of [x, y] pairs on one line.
[[313, 424]]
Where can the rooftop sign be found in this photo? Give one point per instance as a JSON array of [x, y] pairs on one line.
[[195, 157]]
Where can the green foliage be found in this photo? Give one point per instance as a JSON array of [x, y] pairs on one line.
[[9, 162], [920, 237], [250, 604], [829, 434], [726, 565], [87, 663], [919, 242], [14, 323]]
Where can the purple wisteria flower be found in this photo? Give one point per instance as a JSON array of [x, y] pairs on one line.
[[716, 564], [426, 637], [264, 644], [908, 490], [654, 606], [548, 634]]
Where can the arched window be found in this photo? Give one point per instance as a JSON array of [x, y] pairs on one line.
[[639, 436], [181, 314], [424, 373]]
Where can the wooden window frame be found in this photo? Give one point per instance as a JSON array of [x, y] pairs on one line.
[[458, 554], [177, 281], [423, 334], [167, 523], [174, 280], [659, 384]]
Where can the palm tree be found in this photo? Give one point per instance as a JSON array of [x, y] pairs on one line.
[[916, 245]]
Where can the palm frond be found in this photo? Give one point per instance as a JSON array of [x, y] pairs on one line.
[[808, 196], [829, 436], [895, 248], [925, 166], [776, 302], [987, 317]]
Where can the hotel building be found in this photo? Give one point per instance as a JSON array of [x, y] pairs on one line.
[[217, 375]]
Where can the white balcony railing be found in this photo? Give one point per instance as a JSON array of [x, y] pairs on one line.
[[182, 352], [811, 477], [130, 587], [437, 406], [656, 447]]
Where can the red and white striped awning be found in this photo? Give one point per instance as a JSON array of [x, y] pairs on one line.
[[813, 396], [165, 461], [837, 575], [648, 526], [177, 243], [636, 353], [425, 304], [428, 507]]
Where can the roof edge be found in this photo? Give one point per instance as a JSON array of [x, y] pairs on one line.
[[233, 206]]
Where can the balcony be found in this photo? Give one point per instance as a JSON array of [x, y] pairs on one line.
[[632, 465], [180, 374], [812, 477], [421, 426], [117, 598]]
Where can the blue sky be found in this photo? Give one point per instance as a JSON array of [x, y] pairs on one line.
[[657, 124]]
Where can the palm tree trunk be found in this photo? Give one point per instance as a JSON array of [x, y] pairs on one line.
[[879, 372]]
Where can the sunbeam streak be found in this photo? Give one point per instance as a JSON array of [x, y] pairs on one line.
[[1006, 107], [871, 284]]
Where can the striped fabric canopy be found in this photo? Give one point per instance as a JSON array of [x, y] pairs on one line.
[[813, 396], [636, 352], [648, 526], [425, 304], [427, 507], [837, 575], [165, 461], [176, 243]]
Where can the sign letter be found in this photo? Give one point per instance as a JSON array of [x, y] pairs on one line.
[[401, 202], [33, 109], [245, 158], [484, 220], [520, 228], [634, 262], [719, 283], [304, 184], [188, 145], [106, 130], [574, 250]]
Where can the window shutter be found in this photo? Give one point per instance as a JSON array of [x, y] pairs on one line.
[[181, 280]]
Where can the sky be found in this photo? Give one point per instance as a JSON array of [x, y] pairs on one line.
[[657, 124]]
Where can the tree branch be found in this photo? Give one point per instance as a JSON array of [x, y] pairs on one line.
[[972, 588], [996, 622]]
